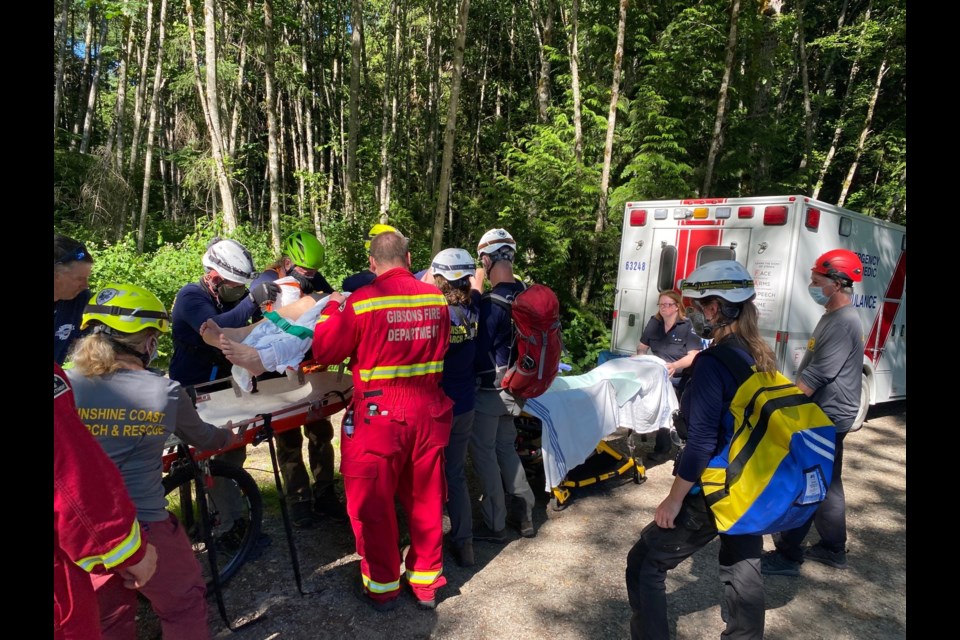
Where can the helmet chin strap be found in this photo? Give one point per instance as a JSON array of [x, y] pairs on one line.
[[110, 334]]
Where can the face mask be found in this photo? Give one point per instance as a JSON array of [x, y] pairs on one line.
[[699, 322], [231, 293], [818, 296]]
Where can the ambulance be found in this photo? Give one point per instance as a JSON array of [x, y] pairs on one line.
[[777, 238]]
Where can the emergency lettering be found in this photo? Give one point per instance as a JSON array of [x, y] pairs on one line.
[[411, 333], [102, 413], [137, 430]]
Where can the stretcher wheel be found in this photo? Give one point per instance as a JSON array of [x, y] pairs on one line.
[[231, 483]]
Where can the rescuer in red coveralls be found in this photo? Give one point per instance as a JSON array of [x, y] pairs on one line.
[[396, 331], [95, 524]]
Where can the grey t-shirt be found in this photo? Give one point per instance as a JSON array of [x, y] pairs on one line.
[[131, 414], [833, 365]]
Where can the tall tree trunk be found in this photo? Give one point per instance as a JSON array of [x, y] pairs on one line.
[[388, 119], [807, 108], [60, 37], [353, 132], [210, 105], [94, 87], [83, 88], [716, 140], [141, 88], [213, 103], [433, 99], [448, 134], [271, 107], [115, 139], [543, 27], [237, 100], [574, 50], [607, 153], [151, 127], [864, 132], [838, 130]]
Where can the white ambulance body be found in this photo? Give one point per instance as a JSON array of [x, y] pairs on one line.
[[777, 238]]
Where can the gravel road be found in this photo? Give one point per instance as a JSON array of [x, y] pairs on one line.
[[567, 582]]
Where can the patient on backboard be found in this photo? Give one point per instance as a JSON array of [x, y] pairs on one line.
[[276, 343]]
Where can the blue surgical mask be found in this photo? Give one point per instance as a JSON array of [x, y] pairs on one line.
[[818, 295]]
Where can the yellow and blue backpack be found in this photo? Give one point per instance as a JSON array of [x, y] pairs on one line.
[[776, 469]]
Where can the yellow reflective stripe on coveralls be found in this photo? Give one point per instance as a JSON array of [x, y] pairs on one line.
[[120, 553], [388, 372], [423, 577], [380, 587], [400, 302]]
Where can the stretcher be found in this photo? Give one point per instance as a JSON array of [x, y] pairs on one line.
[[285, 402], [276, 405], [578, 414]]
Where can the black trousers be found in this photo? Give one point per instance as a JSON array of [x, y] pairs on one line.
[[830, 518], [659, 550]]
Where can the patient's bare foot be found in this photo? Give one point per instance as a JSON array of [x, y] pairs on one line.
[[242, 355], [210, 331]]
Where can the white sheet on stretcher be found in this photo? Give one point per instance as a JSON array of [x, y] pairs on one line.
[[279, 350], [578, 411]]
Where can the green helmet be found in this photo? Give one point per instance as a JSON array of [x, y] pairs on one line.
[[304, 249]]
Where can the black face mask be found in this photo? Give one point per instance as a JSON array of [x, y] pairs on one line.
[[231, 293]]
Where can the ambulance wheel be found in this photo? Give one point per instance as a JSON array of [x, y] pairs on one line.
[[864, 404], [231, 546]]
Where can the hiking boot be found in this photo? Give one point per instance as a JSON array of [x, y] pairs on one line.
[[327, 504], [429, 605], [774, 563], [463, 553], [486, 534], [232, 539], [302, 516], [819, 553], [381, 606], [525, 527]]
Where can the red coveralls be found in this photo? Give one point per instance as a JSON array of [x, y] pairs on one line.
[[94, 524], [396, 331]]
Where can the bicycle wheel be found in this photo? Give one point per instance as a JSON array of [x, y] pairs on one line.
[[234, 537]]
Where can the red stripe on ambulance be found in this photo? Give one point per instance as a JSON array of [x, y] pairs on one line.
[[888, 311], [689, 242]]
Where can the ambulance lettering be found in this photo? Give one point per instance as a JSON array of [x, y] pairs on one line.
[[874, 345], [870, 263]]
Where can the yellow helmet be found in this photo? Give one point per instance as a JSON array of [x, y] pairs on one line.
[[126, 308], [376, 230]]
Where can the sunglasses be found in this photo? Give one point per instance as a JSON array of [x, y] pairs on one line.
[[77, 254]]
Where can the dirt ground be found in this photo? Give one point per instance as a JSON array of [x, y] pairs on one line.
[[568, 581]]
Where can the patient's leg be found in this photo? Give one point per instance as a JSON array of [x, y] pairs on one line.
[[242, 355]]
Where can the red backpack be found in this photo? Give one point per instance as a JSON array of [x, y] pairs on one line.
[[537, 344]]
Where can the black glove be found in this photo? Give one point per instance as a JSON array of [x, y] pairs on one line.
[[306, 284], [265, 292]]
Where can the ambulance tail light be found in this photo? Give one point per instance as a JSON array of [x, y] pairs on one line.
[[745, 212], [813, 219], [775, 215], [638, 217]]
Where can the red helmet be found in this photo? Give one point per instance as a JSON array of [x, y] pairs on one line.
[[841, 264]]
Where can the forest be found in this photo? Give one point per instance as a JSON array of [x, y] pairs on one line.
[[179, 120]]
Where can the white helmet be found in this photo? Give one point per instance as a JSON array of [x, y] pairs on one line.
[[231, 260], [727, 279], [497, 243], [453, 264]]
